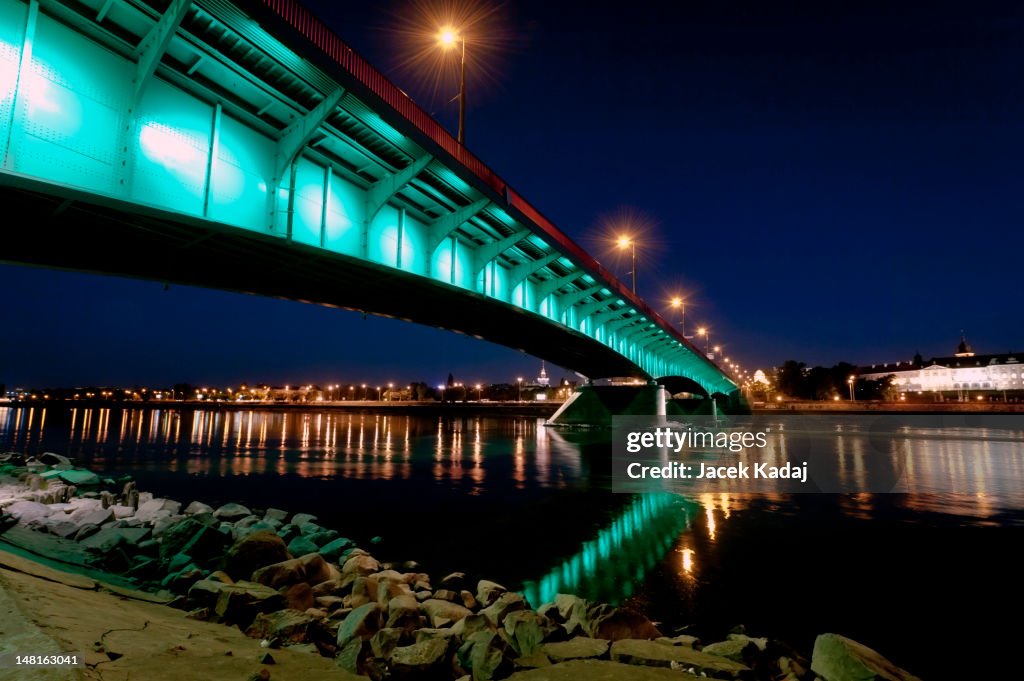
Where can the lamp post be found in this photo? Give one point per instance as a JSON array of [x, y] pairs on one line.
[[479, 392], [519, 392], [378, 393], [703, 331], [849, 382], [449, 37], [391, 392], [362, 395], [628, 241]]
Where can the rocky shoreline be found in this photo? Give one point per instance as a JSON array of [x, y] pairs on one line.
[[289, 582]]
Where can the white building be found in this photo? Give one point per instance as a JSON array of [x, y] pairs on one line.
[[965, 375]]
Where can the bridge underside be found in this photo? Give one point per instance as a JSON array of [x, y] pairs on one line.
[[241, 145], [70, 233]]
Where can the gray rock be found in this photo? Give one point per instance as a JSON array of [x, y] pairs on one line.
[[837, 658], [404, 612], [577, 648], [385, 641], [487, 592], [110, 538], [27, 511], [91, 516], [420, 659], [732, 649], [157, 508], [231, 512], [198, 507], [484, 653], [681, 640], [361, 623], [310, 569], [654, 654], [506, 603], [275, 514], [192, 537], [441, 612], [527, 630], [235, 603], [300, 519], [288, 626]]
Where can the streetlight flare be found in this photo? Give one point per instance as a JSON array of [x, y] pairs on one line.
[[447, 36], [624, 241]]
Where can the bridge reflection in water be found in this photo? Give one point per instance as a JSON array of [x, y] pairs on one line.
[[606, 568]]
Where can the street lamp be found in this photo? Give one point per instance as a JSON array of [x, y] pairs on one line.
[[677, 304], [378, 393], [519, 393], [363, 393], [479, 392], [703, 331], [448, 38], [629, 242], [391, 392], [849, 382]]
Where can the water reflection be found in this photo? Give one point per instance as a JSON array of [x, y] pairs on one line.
[[608, 567]]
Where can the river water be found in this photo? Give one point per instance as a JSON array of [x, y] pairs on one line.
[[508, 499]]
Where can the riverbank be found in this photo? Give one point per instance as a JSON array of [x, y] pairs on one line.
[[863, 407], [287, 581]]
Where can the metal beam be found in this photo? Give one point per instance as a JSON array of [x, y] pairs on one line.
[[296, 136], [546, 288], [596, 306], [446, 224], [152, 47], [520, 273], [484, 254], [384, 189], [602, 317], [613, 327], [570, 299]]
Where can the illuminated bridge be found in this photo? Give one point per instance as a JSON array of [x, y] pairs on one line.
[[243, 146]]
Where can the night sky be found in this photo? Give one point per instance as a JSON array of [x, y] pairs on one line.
[[826, 182]]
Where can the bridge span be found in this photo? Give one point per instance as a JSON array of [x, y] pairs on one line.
[[242, 145]]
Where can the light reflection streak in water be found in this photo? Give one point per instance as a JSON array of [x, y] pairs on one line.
[[606, 567]]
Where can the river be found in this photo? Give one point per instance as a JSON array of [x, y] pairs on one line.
[[508, 499]]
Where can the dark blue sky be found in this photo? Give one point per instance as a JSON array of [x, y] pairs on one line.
[[828, 181]]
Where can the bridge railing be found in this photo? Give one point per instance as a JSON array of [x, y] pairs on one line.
[[307, 24]]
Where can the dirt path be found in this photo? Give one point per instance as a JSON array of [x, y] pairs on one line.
[[47, 611]]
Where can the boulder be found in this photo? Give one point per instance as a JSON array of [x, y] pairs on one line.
[[361, 623], [300, 519], [384, 641], [837, 658], [27, 511], [91, 516], [231, 512], [197, 507], [654, 654], [614, 624], [681, 640], [157, 508], [736, 650], [404, 612], [311, 569], [332, 550], [455, 581], [442, 612], [122, 511], [578, 648], [253, 552], [361, 564], [289, 626], [299, 597], [79, 477], [110, 538], [506, 603], [237, 603], [425, 659], [487, 592], [527, 630], [275, 514], [484, 654], [301, 545], [192, 537]]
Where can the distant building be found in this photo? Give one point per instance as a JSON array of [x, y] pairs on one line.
[[963, 376], [543, 381]]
